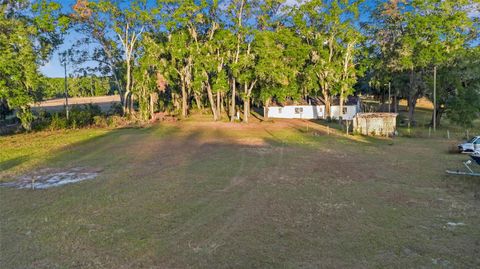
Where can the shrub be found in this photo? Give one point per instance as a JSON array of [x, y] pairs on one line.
[[42, 121], [58, 122], [116, 109], [26, 118], [114, 121], [100, 121], [81, 117]]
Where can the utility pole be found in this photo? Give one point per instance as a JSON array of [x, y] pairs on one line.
[[389, 98], [66, 85], [434, 98]]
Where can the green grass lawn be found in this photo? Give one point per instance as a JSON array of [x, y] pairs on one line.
[[220, 195]]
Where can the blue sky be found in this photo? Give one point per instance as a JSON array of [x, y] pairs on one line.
[[53, 67]]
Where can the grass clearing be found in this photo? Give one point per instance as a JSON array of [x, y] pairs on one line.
[[219, 195], [23, 151]]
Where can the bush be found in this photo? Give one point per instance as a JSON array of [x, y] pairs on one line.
[[58, 122], [116, 109], [81, 117], [26, 118], [42, 121], [100, 121], [115, 121]]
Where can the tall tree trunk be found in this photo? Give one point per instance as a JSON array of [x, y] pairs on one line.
[[342, 99], [176, 103], [130, 104], [246, 109], [219, 112], [127, 86], [265, 108], [125, 102], [153, 101], [438, 116], [246, 102], [184, 101], [412, 102], [197, 100], [222, 107], [395, 104], [212, 101], [237, 54], [232, 108], [227, 104], [328, 107], [412, 98]]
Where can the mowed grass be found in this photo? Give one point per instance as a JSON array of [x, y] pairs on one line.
[[219, 195], [23, 151]]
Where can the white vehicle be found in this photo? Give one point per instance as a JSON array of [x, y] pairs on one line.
[[471, 145]]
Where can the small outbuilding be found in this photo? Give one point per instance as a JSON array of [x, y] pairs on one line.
[[384, 124]]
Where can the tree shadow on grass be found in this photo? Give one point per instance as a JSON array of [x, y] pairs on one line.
[[11, 163], [99, 148], [195, 196]]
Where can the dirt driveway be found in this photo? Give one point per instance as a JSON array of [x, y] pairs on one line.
[[54, 105]]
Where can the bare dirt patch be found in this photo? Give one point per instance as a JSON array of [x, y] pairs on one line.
[[54, 105], [49, 177]]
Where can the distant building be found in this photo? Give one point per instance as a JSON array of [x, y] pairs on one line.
[[315, 109], [384, 124]]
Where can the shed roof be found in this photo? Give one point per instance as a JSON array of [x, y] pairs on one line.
[[376, 115]]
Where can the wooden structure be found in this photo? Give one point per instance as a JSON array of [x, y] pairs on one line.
[[383, 124]]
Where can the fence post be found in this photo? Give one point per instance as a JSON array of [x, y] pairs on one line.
[[448, 134], [328, 130], [429, 131]]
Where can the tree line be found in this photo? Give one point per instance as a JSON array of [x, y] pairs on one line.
[[226, 56]]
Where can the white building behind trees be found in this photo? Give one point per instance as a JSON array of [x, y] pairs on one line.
[[316, 110]]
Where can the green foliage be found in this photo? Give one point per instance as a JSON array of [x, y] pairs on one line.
[[77, 86], [30, 31], [83, 116], [464, 108], [58, 122], [168, 55], [26, 117], [329, 29], [410, 38], [100, 121]]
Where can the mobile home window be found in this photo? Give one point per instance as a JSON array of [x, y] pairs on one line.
[[298, 110], [345, 109], [279, 110]]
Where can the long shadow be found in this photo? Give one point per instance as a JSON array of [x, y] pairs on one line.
[[8, 164], [94, 151], [178, 187]]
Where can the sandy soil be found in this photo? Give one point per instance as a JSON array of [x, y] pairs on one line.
[[105, 102]]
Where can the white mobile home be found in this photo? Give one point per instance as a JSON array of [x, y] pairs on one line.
[[316, 111], [297, 112]]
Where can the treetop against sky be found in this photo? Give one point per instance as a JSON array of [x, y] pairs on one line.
[[54, 68]]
